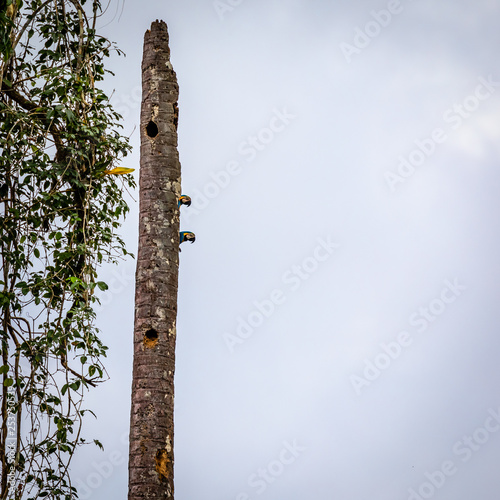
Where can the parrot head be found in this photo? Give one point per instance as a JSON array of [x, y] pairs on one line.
[[186, 236], [184, 200]]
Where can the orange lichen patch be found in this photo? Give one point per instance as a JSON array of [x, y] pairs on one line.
[[150, 338], [162, 460]]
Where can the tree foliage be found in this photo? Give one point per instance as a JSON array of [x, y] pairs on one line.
[[61, 202]]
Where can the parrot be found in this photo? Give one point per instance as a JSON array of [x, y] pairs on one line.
[[184, 200], [186, 236]]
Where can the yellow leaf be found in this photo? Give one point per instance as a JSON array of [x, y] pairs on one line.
[[119, 171]]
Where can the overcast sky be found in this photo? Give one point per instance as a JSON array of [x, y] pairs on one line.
[[338, 314]]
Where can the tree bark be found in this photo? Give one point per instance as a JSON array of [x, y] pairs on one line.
[[151, 459]]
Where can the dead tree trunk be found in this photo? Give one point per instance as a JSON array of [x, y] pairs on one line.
[[151, 460]]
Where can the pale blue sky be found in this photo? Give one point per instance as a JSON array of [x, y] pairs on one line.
[[292, 121]]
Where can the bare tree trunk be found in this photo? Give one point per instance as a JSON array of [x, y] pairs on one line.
[[151, 460]]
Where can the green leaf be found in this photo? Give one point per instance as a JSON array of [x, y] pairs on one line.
[[75, 385], [102, 286]]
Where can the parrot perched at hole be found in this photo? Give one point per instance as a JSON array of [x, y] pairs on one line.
[[186, 236], [184, 200]]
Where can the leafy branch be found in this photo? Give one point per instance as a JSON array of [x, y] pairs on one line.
[[61, 202]]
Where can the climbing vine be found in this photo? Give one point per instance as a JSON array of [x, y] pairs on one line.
[[61, 202]]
